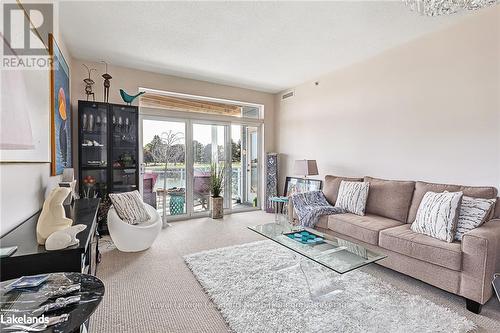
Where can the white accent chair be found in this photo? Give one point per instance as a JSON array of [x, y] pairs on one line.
[[134, 238]]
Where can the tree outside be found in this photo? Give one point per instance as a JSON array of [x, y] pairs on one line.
[[166, 149], [157, 151], [166, 155]]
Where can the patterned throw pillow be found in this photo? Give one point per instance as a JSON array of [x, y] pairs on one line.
[[473, 213], [129, 207], [352, 197], [437, 215]]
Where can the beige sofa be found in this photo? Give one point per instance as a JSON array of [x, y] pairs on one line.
[[464, 268]]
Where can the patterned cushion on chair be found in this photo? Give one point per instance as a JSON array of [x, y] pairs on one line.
[[129, 207]]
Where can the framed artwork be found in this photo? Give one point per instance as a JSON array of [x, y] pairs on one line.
[[24, 114], [60, 111], [300, 185]]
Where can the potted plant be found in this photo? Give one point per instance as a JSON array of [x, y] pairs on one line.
[[216, 187]]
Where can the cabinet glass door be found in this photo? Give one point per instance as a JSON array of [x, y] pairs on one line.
[[124, 154], [94, 150]]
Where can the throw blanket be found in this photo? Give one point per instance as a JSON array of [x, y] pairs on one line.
[[310, 206]]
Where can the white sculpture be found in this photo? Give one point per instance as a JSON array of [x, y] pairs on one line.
[[53, 217], [63, 238]]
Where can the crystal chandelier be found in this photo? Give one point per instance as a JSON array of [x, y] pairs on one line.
[[446, 7]]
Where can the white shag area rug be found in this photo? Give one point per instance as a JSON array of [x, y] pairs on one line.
[[254, 296]]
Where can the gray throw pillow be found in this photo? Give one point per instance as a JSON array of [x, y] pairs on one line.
[[129, 207], [473, 213], [437, 215], [352, 197]]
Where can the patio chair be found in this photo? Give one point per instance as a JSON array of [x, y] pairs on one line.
[[201, 188]]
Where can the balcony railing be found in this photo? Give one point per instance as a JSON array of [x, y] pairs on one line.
[[176, 179]]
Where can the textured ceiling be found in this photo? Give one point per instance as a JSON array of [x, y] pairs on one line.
[[267, 46]]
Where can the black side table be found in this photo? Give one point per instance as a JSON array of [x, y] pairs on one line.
[[20, 302]]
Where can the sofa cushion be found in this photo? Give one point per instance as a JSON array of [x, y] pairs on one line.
[[403, 240], [322, 222], [473, 213], [389, 198], [438, 214], [485, 192], [364, 228], [352, 197], [332, 184]]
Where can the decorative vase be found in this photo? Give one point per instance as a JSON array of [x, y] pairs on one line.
[[217, 206]]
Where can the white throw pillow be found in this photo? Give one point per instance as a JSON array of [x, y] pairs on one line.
[[352, 197], [473, 213], [129, 207], [437, 215]]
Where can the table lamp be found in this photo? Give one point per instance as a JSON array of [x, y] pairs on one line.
[[305, 168]]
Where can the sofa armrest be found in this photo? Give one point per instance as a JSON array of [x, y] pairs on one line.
[[481, 259]]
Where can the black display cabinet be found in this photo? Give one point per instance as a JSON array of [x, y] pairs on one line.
[[108, 151]]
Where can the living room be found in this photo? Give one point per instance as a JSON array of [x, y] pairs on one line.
[[250, 166]]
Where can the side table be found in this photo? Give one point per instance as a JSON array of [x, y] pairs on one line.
[[21, 302], [277, 203]]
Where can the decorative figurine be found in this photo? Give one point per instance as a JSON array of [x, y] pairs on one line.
[[53, 217], [129, 99], [63, 238], [107, 83], [88, 83]]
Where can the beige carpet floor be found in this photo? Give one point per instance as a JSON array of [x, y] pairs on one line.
[[154, 291]]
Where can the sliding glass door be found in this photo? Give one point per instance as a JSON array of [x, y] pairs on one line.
[[209, 148], [163, 165], [177, 156], [245, 166]]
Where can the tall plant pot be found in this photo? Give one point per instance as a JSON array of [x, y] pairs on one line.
[[217, 207]]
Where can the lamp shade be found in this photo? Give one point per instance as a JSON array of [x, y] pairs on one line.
[[305, 167]]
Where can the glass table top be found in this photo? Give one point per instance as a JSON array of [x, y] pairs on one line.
[[332, 252]]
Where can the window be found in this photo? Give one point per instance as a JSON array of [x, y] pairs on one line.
[[207, 106], [207, 131]]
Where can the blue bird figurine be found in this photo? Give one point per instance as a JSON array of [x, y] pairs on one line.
[[129, 99]]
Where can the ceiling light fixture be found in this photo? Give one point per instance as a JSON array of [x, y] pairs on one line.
[[446, 7]]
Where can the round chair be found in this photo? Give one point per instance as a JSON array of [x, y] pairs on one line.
[[134, 237]]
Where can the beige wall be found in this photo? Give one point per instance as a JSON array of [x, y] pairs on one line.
[[23, 185], [429, 110]]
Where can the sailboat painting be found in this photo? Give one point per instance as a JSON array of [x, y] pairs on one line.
[[60, 111]]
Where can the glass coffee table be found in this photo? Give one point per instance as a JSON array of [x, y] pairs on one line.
[[336, 254]]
